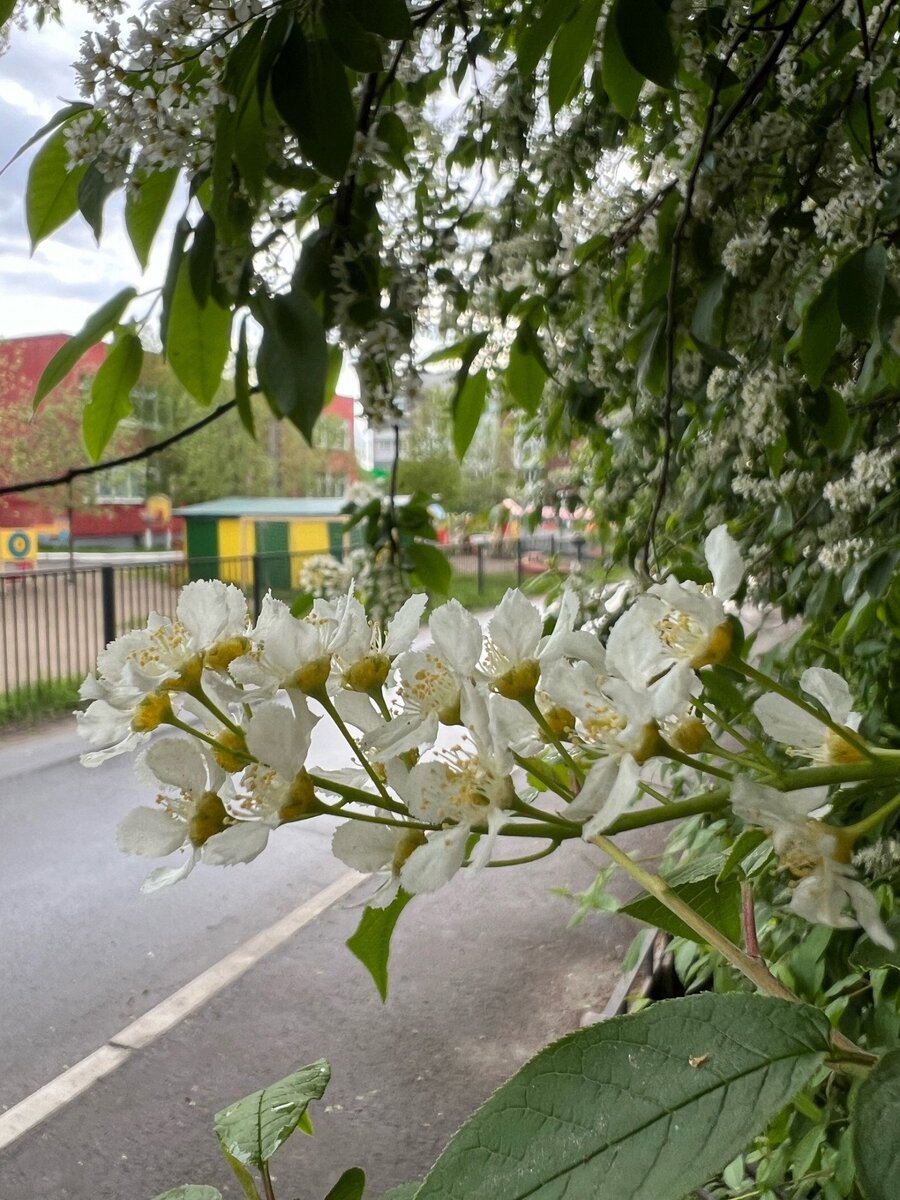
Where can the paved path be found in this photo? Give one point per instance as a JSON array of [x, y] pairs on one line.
[[483, 974]]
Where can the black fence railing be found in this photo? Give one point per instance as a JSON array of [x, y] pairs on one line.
[[54, 621]]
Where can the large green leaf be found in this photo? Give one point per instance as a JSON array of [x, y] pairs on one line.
[[242, 1175], [292, 364], [537, 32], [353, 44], [110, 400], [820, 333], [525, 375], [191, 1191], [93, 191], [468, 408], [403, 1191], [252, 1129], [872, 957], [389, 18], [646, 43], [309, 87], [622, 82], [242, 381], [372, 941], [198, 339], [573, 44], [432, 566], [860, 283], [6, 8], [145, 206], [51, 194], [876, 1130], [350, 1186], [95, 327], [643, 1107]]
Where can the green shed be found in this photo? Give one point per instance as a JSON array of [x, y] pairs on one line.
[[226, 537]]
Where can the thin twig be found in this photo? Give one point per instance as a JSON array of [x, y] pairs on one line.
[[138, 456], [867, 90], [748, 920]]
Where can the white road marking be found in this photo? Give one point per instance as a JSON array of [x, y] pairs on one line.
[[47, 1100]]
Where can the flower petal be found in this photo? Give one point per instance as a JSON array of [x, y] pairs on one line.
[[239, 843], [430, 866], [150, 832], [405, 625], [786, 723], [457, 635], [724, 559], [515, 628], [365, 847], [280, 737], [619, 798], [831, 690], [178, 762]]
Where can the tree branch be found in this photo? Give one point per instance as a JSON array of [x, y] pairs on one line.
[[138, 456]]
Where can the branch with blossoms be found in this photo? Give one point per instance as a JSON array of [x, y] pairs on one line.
[[478, 736]]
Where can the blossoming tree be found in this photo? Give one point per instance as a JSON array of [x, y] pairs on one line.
[[669, 230]]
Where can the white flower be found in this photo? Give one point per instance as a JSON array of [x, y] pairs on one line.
[[376, 849], [802, 733], [366, 653], [430, 684], [679, 625], [463, 788], [517, 652], [274, 789], [190, 813], [287, 652], [815, 854]]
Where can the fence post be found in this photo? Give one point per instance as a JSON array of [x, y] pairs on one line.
[[579, 549], [552, 545], [257, 584], [479, 555], [519, 571], [108, 601]]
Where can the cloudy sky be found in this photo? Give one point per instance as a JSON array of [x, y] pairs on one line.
[[68, 276]]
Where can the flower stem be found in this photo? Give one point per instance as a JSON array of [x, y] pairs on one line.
[[754, 969], [526, 858], [370, 819], [530, 706], [357, 795], [873, 819], [177, 723], [348, 737], [555, 785], [201, 696], [688, 760]]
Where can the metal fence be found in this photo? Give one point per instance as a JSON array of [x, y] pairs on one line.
[[53, 622]]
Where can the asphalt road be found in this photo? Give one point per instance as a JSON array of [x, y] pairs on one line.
[[483, 974]]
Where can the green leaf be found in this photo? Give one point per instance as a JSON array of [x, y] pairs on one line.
[[820, 333], [292, 364], [93, 191], [309, 87], [372, 941], [242, 381], [432, 567], [573, 44], [651, 367], [645, 40], [643, 1107], [703, 323], [242, 1175], [191, 1191], [110, 400], [61, 117], [525, 375], [51, 194], [173, 269], [197, 339], [201, 259], [875, 1126], [350, 1186], [252, 1129], [536, 33], [467, 409], [353, 44], [388, 18], [145, 206], [622, 82], [6, 9], [403, 1191], [95, 327], [860, 283], [697, 884]]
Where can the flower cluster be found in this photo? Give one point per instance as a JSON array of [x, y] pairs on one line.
[[462, 737]]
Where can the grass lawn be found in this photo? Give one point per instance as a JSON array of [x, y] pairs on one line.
[[464, 588], [24, 706]]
